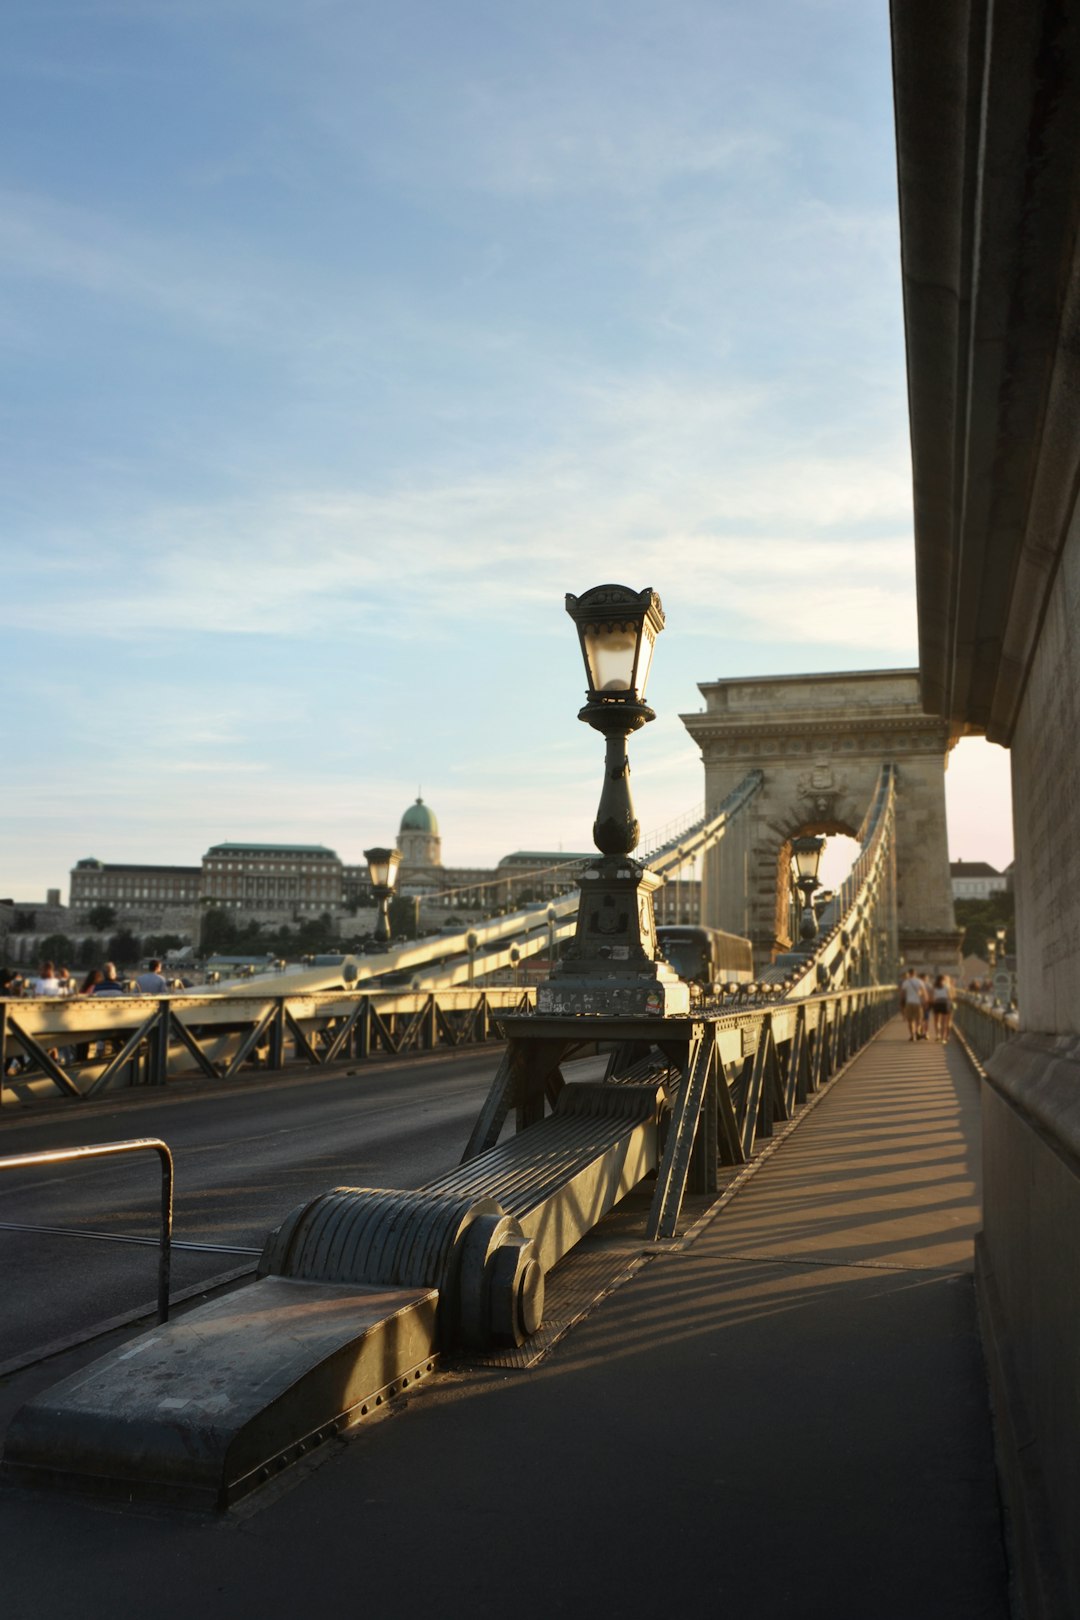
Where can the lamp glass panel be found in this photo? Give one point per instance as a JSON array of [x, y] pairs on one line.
[[648, 643], [383, 866], [807, 853], [610, 650]]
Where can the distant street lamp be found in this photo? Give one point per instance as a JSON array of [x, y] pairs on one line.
[[383, 871], [471, 942], [617, 628], [551, 919], [806, 854]]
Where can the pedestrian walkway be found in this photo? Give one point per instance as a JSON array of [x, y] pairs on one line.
[[785, 1418]]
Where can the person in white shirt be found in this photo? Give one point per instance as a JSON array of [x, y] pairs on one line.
[[912, 997], [46, 983]]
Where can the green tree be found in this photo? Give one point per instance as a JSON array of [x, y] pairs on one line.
[[124, 948], [91, 953], [101, 917], [159, 944], [981, 919], [404, 916], [57, 948], [218, 932]]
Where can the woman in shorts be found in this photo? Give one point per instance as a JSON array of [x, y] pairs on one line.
[[941, 1006]]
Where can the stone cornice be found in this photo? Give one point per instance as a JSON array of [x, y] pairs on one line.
[[713, 728]]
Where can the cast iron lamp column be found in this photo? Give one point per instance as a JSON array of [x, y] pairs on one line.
[[383, 870], [806, 854], [612, 966]]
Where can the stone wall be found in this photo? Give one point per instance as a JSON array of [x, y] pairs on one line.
[[1046, 798]]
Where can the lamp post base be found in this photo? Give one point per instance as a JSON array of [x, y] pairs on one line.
[[611, 967]]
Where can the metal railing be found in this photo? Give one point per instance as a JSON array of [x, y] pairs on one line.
[[982, 1027], [223, 1037], [106, 1150]]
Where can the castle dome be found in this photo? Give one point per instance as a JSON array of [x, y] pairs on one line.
[[420, 818]]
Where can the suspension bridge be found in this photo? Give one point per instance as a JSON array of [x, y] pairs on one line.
[[713, 1308]]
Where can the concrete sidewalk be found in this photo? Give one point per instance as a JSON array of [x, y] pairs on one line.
[[786, 1418]]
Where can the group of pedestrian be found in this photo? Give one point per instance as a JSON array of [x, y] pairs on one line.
[[51, 980], [921, 1000]]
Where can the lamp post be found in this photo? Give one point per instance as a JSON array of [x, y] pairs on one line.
[[382, 870], [617, 628], [806, 855], [611, 966]]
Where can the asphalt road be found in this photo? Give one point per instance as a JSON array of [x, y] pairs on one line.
[[244, 1156]]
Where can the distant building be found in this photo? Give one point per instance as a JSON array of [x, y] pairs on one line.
[[679, 901], [136, 893], [418, 838], [976, 880], [272, 883], [280, 885]]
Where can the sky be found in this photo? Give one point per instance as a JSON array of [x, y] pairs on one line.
[[341, 340]]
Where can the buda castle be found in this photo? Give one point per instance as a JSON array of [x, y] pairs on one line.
[[283, 884]]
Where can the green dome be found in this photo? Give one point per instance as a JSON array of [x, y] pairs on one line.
[[418, 818]]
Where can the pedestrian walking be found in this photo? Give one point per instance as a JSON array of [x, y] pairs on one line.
[[912, 997], [941, 1004]]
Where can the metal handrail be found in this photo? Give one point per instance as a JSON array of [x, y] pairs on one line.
[[105, 1150]]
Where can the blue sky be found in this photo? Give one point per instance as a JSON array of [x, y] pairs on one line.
[[341, 339]]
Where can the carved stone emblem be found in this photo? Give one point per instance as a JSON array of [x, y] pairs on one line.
[[821, 787]]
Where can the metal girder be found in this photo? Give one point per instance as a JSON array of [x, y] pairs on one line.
[[125, 1054], [303, 1046], [675, 1164], [191, 1045], [40, 1056], [248, 1043]]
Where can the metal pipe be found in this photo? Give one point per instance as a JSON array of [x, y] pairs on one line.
[[107, 1150]]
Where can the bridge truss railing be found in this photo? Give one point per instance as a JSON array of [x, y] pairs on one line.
[[50, 1045], [84, 1049]]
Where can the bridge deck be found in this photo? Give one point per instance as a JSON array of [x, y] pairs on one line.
[[786, 1418]]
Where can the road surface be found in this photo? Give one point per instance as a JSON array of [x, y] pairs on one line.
[[244, 1156]]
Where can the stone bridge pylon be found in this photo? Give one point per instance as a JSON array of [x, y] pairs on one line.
[[820, 741]]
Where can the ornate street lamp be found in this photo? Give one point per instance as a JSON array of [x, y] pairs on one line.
[[612, 967], [382, 870], [806, 855], [617, 628]]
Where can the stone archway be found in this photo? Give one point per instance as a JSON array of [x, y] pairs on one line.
[[820, 741], [830, 827]]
